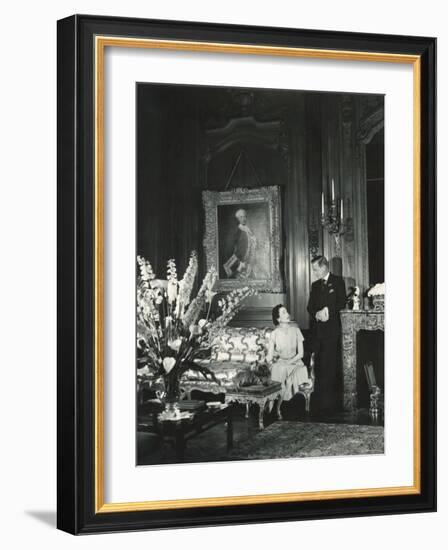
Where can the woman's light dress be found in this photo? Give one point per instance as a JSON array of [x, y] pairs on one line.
[[286, 344]]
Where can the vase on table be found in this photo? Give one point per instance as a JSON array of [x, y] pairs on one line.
[[378, 302], [172, 392]]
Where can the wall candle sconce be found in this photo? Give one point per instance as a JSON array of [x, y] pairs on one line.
[[313, 233], [333, 219]]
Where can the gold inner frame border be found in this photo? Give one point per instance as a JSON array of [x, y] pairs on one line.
[[100, 44]]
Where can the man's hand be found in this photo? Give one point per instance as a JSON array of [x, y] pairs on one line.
[[322, 315]]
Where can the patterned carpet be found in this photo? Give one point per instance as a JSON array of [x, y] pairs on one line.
[[300, 439]]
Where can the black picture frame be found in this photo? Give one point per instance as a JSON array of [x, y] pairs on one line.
[[77, 510]]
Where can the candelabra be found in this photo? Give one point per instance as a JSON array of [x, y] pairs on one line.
[[332, 218]]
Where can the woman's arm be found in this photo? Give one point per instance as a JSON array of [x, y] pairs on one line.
[[299, 346], [271, 348], [299, 343]]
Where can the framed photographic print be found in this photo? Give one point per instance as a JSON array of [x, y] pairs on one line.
[[246, 274]]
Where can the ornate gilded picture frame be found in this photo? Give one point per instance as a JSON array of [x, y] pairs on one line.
[[243, 237], [89, 500]]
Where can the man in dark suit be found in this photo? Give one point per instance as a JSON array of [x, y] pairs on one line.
[[327, 298], [241, 263]]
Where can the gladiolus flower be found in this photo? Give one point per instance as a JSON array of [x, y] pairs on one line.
[[172, 291], [158, 283], [175, 344], [168, 363]]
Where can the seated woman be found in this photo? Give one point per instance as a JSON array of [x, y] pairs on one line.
[[285, 354]]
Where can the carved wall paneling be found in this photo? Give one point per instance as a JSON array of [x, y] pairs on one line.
[[370, 122], [314, 174], [349, 190], [295, 219], [331, 169]]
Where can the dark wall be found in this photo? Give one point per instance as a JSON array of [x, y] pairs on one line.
[[316, 141], [375, 206]]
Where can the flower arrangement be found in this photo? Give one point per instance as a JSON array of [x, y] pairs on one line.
[[174, 330], [377, 294], [377, 290]]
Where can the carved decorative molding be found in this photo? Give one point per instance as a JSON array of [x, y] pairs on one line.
[[370, 125], [352, 322], [230, 103], [242, 130]]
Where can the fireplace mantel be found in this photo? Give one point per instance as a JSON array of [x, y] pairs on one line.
[[352, 322]]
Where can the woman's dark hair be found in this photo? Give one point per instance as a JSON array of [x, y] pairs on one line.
[[275, 313]]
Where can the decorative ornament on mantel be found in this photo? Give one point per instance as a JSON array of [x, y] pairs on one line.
[[333, 219], [356, 299]]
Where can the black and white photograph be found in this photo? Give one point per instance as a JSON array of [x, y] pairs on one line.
[[259, 274]]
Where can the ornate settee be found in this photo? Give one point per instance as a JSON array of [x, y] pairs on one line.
[[237, 358], [235, 353]]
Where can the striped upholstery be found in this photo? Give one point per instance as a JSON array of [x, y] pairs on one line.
[[241, 344]]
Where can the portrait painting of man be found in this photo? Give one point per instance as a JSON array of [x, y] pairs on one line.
[[243, 237], [243, 249]]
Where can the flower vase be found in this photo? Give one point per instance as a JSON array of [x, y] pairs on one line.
[[172, 391], [378, 302]]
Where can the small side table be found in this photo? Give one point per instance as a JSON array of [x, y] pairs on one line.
[[182, 430], [260, 395]]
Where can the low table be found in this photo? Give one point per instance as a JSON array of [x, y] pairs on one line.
[[205, 386], [260, 395], [181, 430]]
